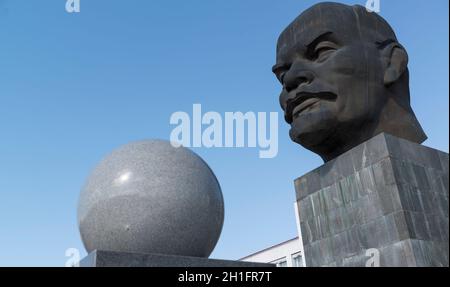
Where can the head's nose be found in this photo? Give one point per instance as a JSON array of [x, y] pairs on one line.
[[296, 78]]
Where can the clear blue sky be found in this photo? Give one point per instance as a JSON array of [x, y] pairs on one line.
[[75, 86]]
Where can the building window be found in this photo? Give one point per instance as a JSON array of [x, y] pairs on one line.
[[297, 260], [280, 262]]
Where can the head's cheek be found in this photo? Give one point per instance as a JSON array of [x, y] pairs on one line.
[[348, 71]]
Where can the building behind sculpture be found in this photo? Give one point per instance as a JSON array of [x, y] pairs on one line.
[[285, 254]]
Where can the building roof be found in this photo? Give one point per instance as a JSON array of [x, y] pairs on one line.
[[268, 248]]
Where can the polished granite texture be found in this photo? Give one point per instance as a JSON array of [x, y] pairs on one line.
[[150, 197]]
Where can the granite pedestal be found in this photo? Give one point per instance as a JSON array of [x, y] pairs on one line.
[[100, 258], [388, 195]]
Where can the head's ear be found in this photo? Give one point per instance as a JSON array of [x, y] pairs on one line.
[[395, 59]]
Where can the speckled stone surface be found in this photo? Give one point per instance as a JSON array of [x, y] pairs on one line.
[[149, 197], [387, 193], [100, 258]]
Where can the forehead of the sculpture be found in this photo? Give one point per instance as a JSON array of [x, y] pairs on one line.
[[346, 23]]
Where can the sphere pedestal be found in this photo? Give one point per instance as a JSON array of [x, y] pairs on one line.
[[123, 259]]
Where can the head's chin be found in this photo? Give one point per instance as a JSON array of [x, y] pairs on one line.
[[313, 127], [309, 135], [310, 140]]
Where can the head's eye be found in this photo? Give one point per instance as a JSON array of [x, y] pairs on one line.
[[323, 50]]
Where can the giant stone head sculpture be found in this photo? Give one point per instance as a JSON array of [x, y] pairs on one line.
[[345, 79]]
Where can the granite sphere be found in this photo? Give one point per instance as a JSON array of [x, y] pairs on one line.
[[151, 197]]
